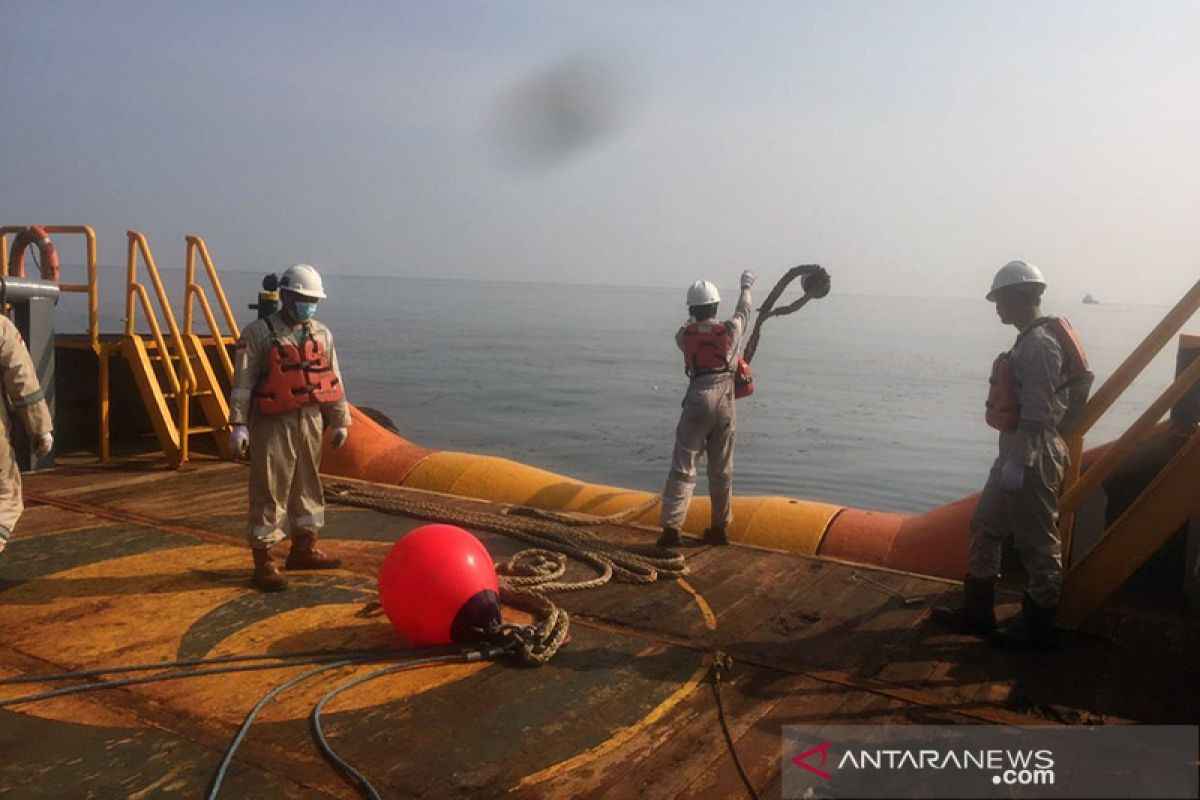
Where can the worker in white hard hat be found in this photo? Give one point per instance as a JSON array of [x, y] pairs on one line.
[[708, 423], [1031, 393], [24, 395], [287, 389]]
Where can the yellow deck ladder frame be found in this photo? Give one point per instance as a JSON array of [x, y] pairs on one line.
[[213, 401], [1165, 504], [172, 429], [103, 350]]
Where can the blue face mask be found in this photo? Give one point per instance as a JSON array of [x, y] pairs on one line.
[[305, 311]]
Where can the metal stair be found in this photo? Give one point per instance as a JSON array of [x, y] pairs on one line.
[[171, 376], [1166, 502]]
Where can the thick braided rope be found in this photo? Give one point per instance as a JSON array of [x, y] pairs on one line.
[[627, 515], [614, 561], [527, 575]]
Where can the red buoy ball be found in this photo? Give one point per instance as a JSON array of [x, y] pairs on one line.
[[438, 585]]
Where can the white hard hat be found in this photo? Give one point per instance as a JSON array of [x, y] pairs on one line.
[[302, 279], [1016, 273], [703, 293]]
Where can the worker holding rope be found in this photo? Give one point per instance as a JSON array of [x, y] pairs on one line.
[[287, 389], [708, 422]]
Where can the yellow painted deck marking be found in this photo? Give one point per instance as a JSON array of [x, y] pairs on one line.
[[135, 609], [710, 619], [658, 712], [620, 737]]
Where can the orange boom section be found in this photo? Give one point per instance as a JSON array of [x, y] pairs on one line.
[[373, 453], [931, 543]]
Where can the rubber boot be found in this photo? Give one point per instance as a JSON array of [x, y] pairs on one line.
[[1032, 629], [716, 536], [266, 571], [670, 538], [305, 555], [976, 614]]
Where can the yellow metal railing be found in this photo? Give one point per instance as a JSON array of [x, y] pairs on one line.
[[90, 288], [1077, 488], [194, 293], [182, 381]]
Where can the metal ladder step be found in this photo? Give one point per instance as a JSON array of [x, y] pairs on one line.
[[205, 393]]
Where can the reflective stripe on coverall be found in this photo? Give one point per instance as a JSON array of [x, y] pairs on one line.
[[707, 425], [286, 496], [1030, 515], [25, 395]]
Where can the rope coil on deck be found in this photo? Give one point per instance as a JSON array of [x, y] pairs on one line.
[[526, 576]]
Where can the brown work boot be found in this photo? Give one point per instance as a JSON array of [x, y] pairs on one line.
[[716, 536], [670, 538], [266, 571], [1032, 629], [305, 555], [976, 614]]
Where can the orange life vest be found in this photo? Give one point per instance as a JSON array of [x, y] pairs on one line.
[[296, 376], [1003, 403], [1003, 410], [706, 348]]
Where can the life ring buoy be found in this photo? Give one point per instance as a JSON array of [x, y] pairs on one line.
[[35, 235]]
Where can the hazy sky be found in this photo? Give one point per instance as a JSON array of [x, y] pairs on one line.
[[910, 147]]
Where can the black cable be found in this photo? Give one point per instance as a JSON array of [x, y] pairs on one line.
[[167, 676], [341, 765], [227, 759], [383, 652], [317, 657], [721, 663]]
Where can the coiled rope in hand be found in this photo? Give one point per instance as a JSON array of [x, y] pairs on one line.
[[526, 576], [816, 284]]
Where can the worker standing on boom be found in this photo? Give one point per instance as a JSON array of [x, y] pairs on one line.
[[287, 389], [25, 395], [1037, 389], [708, 422]]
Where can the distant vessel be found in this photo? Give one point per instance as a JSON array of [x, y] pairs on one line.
[[1089, 300]]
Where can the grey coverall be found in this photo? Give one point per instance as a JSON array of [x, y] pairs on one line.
[[1030, 515], [286, 496], [707, 425], [25, 395]]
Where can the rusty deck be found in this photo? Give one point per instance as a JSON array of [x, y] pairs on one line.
[[134, 563]]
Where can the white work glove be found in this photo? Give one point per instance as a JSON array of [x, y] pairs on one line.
[[340, 434], [1012, 476], [748, 278], [239, 440], [45, 445]]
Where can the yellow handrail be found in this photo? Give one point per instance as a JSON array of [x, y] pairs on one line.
[[90, 288], [1115, 454], [1075, 487], [195, 293], [183, 385], [139, 291], [1137, 361]]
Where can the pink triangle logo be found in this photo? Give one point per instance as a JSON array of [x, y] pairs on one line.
[[801, 760]]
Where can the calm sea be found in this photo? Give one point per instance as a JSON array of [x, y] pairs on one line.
[[874, 402]]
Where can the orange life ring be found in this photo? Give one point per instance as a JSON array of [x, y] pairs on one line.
[[37, 235]]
